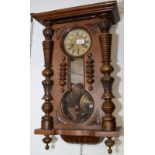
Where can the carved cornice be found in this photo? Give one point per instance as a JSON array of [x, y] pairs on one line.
[[79, 13]]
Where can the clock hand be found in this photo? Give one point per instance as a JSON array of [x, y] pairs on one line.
[[78, 50], [71, 45]]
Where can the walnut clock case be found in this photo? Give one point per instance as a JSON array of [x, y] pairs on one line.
[[78, 83]]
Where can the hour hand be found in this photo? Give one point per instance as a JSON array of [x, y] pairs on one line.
[[71, 46], [78, 50]]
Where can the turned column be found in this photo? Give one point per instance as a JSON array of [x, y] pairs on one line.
[[108, 121], [48, 44]]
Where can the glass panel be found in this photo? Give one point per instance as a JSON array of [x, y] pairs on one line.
[[77, 104], [77, 71]]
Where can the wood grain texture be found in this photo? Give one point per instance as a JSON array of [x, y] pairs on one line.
[[93, 27], [82, 139]]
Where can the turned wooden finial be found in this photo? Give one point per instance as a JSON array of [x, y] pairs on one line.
[[110, 143], [47, 120], [63, 74], [90, 71], [47, 140], [108, 121]]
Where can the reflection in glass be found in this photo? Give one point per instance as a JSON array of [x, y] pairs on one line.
[[77, 104], [77, 70]]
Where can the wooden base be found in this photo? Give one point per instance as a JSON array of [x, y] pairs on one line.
[[80, 136], [92, 133], [82, 139]]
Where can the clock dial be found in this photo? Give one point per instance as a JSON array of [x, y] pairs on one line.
[[77, 42]]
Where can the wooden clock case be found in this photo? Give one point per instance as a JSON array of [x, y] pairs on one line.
[[97, 20]]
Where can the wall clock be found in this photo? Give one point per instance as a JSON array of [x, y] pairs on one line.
[[78, 83]]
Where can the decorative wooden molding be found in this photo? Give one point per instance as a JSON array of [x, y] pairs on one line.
[[108, 122], [90, 71], [92, 27], [47, 120], [72, 136], [63, 73], [59, 31], [82, 132], [79, 13]]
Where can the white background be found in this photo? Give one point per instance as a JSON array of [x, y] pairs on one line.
[[15, 79], [37, 63]]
